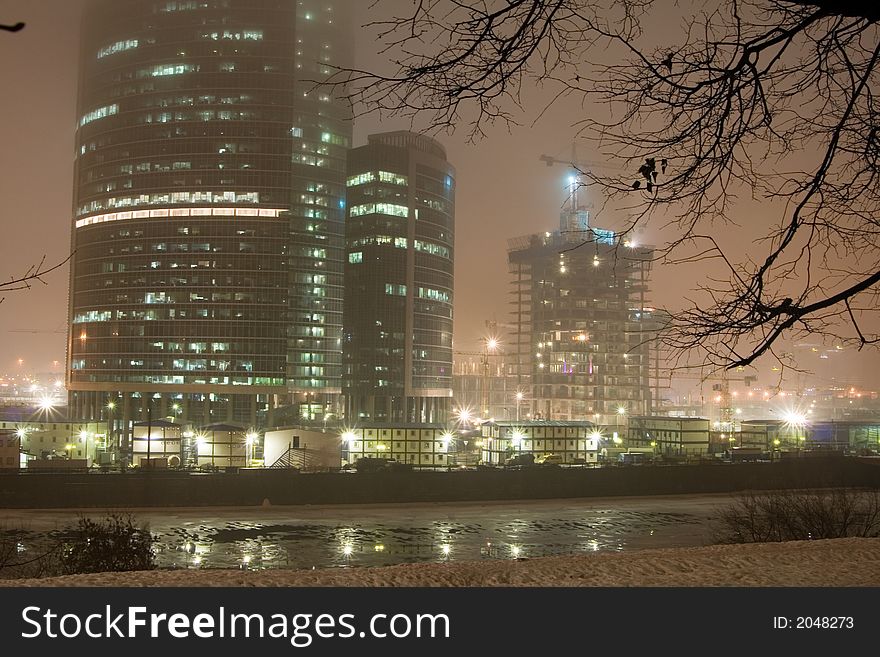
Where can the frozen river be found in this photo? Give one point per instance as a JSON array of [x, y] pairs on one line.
[[373, 535]]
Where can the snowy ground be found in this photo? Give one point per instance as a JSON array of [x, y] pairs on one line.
[[840, 562]]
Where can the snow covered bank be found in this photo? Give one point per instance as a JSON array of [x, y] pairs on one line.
[[839, 562]]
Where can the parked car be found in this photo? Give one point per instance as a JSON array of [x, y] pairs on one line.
[[375, 464], [550, 459], [520, 460], [633, 458]]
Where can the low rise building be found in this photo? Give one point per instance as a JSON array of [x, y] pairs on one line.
[[10, 449], [306, 449], [839, 435], [160, 442], [57, 440], [673, 436], [563, 441], [424, 445], [221, 445]]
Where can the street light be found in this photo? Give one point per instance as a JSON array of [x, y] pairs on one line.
[[621, 411], [463, 416], [794, 421], [111, 405], [516, 439], [491, 346], [250, 440]]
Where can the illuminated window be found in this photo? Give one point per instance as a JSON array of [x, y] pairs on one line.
[[100, 113], [167, 69], [433, 249], [434, 295], [330, 138], [93, 316], [392, 178], [360, 179], [370, 176], [179, 5], [355, 257], [119, 46], [390, 209], [395, 290]]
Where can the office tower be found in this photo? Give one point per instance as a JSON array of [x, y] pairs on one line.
[[397, 350], [206, 281], [582, 325]]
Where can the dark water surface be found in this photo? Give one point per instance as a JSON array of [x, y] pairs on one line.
[[374, 535]]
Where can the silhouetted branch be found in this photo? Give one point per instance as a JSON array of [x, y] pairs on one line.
[[774, 99], [32, 274]]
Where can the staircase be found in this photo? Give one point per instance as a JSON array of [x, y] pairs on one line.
[[297, 458]]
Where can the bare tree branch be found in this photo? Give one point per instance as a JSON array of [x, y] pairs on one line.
[[33, 274], [773, 100]]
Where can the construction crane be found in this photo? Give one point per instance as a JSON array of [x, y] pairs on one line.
[[490, 349], [579, 167], [576, 220], [722, 387], [36, 330]]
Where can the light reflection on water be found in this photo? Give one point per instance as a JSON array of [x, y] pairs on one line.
[[321, 537], [378, 542]]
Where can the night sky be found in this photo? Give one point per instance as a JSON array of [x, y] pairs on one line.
[[504, 191]]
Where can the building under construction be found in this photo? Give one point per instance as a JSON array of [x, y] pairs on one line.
[[582, 325]]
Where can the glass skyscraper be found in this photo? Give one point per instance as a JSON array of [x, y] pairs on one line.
[[206, 281], [399, 237]]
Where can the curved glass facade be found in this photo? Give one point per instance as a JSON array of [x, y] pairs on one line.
[[208, 209], [399, 281]]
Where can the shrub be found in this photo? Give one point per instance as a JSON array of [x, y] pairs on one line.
[[26, 554], [799, 515], [112, 544]]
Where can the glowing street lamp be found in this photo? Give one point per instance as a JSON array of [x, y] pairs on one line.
[[46, 403], [463, 415], [794, 421], [516, 438], [250, 440]]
